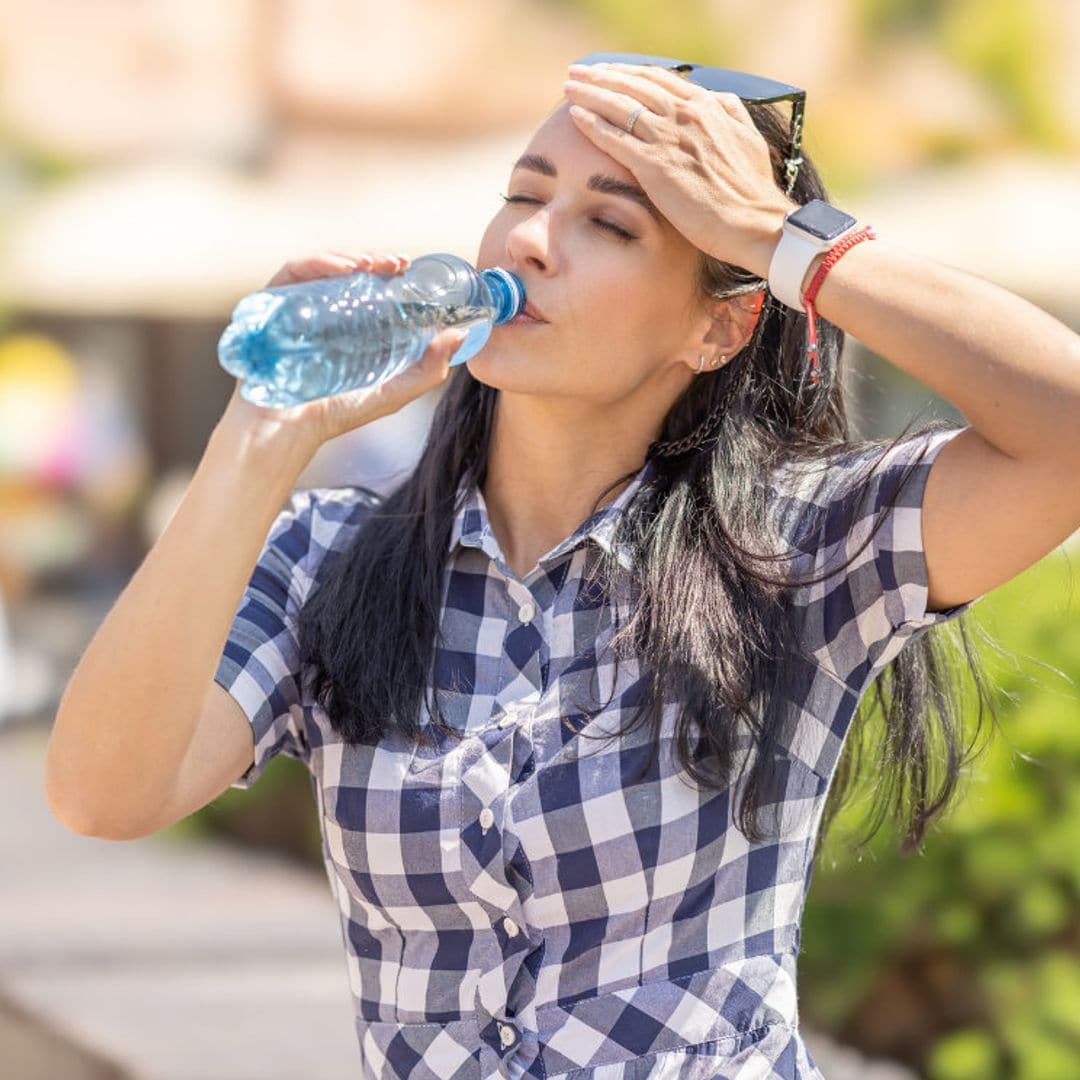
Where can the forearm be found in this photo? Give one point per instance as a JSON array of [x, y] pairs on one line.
[[1010, 368], [130, 709]]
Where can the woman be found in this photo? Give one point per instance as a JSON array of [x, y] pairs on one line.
[[574, 695]]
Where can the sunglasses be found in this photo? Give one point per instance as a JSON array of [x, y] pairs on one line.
[[743, 85]]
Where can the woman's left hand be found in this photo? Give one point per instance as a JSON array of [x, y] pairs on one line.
[[695, 152]]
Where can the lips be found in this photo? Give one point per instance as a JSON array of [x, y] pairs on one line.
[[533, 311]]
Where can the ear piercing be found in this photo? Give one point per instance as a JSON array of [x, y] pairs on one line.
[[701, 362]]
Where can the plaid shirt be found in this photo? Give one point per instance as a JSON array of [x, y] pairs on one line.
[[516, 903]]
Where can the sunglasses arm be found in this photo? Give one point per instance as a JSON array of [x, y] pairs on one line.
[[794, 158]]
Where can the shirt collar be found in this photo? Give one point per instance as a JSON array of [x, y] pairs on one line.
[[472, 528]]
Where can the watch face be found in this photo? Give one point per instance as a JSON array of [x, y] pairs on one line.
[[820, 219]]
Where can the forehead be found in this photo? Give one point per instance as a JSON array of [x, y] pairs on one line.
[[559, 139]]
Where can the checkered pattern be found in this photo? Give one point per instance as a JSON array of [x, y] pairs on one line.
[[519, 903]]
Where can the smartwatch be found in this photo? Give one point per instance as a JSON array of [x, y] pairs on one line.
[[808, 231]]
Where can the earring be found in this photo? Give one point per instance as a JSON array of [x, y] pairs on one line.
[[723, 359], [700, 363]]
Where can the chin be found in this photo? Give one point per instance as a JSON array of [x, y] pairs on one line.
[[505, 370]]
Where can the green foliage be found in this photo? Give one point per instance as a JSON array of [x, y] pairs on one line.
[[1005, 43], [277, 814], [882, 20], [37, 164], [996, 892], [965, 1055]]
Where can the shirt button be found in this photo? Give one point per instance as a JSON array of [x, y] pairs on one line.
[[510, 927], [487, 818], [506, 1034], [526, 612]]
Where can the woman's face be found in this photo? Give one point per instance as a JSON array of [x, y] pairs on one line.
[[614, 282]]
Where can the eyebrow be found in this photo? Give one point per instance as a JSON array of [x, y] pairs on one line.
[[607, 185]]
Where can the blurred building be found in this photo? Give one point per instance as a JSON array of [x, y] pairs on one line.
[[163, 159], [191, 149], [214, 141]]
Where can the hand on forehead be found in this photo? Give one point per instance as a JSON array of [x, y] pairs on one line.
[[696, 153]]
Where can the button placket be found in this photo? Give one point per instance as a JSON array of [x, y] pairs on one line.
[[483, 786]]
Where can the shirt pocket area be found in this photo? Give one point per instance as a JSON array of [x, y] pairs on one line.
[[709, 1018]]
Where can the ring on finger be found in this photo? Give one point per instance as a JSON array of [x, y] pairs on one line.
[[632, 119]]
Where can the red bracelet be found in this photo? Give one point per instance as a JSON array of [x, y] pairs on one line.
[[830, 260]]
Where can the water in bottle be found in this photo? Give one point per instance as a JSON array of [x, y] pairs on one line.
[[294, 343]]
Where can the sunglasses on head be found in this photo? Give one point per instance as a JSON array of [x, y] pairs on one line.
[[740, 83]]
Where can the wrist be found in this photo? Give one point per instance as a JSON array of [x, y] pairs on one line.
[[811, 270], [252, 436], [764, 238], [807, 238]]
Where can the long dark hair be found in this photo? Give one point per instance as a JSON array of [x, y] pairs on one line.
[[712, 624]]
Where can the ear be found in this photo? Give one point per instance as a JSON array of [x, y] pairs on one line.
[[726, 327]]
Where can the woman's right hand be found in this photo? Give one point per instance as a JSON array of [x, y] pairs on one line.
[[317, 421]]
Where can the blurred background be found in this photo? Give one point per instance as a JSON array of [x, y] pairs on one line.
[[159, 160]]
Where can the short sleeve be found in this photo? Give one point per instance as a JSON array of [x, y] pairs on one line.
[[260, 665], [865, 506]]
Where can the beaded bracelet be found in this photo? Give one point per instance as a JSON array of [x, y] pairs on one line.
[[830, 260]]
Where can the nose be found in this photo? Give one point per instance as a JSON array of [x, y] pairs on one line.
[[528, 242]]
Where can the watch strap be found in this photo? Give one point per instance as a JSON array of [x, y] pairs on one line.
[[790, 261]]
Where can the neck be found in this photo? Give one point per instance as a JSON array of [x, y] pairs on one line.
[[547, 465]]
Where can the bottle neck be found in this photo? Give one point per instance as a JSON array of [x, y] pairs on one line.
[[507, 291]]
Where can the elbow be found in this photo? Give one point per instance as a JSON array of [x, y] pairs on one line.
[[75, 819], [75, 815], [85, 825]]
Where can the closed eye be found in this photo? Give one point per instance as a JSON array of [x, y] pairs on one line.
[[600, 223]]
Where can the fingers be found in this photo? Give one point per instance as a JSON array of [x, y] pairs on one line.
[[441, 349], [646, 84], [353, 408], [319, 264], [685, 90], [735, 107], [432, 369], [615, 96], [637, 80]]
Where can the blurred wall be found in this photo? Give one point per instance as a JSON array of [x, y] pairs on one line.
[[162, 159]]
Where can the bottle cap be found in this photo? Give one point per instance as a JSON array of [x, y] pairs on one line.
[[507, 290]]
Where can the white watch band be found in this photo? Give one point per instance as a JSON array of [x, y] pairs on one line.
[[790, 261]]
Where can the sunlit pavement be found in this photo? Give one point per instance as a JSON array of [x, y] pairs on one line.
[[175, 960]]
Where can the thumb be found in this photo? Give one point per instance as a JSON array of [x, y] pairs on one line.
[[433, 367], [442, 347], [451, 340], [415, 380]]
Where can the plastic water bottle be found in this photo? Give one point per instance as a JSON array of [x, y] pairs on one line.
[[294, 343]]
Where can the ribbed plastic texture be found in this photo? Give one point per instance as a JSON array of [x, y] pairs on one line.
[[294, 343]]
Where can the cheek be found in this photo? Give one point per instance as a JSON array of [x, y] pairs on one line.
[[623, 314]]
